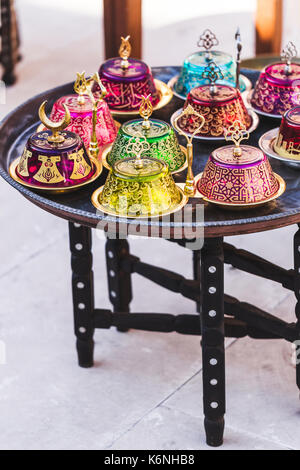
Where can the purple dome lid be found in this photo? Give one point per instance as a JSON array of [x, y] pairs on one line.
[[112, 70]]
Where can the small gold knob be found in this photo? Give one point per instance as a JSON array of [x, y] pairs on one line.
[[145, 111], [124, 52]]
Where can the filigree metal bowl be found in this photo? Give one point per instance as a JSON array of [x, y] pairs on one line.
[[163, 144], [245, 180], [147, 191]]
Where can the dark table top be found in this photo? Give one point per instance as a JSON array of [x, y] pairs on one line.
[[77, 207]]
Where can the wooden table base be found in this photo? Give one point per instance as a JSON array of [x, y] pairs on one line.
[[206, 289]]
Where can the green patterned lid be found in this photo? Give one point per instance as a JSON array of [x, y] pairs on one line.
[[156, 129], [149, 168]]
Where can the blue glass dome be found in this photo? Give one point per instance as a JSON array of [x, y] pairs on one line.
[[194, 66]]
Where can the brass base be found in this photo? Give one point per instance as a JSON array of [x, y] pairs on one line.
[[98, 205], [13, 174], [165, 92], [106, 150], [251, 205]]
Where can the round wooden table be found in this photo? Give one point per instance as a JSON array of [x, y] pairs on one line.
[[220, 315]]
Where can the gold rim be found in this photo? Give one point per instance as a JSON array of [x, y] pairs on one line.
[[108, 148], [281, 189], [13, 174], [97, 205], [166, 94]]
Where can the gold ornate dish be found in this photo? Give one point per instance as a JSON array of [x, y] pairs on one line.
[[139, 187], [56, 160], [239, 176], [162, 140], [279, 192], [97, 170]]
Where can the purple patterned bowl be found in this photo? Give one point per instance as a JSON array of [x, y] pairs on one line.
[[55, 166], [125, 87], [275, 92]]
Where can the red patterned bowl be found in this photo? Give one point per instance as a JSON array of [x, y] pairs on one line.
[[275, 92], [287, 143], [219, 110], [245, 180], [82, 116]]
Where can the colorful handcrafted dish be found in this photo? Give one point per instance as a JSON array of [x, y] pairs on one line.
[[139, 187], [81, 110], [239, 176], [191, 75], [278, 87], [127, 80], [287, 143], [163, 143], [55, 159]]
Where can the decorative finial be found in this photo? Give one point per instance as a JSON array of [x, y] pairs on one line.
[[207, 40], [145, 111], [55, 127], [94, 147], [80, 87], [124, 52], [239, 46], [236, 133], [137, 145], [212, 72], [96, 79], [189, 188], [287, 55]]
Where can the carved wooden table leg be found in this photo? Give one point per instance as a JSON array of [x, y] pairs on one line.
[[119, 281], [297, 293], [212, 325], [83, 292]]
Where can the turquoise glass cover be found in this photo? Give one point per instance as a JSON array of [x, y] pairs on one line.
[[193, 68]]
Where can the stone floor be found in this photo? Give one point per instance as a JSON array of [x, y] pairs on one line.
[[145, 390]]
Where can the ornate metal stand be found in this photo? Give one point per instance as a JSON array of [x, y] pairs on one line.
[[241, 319]]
